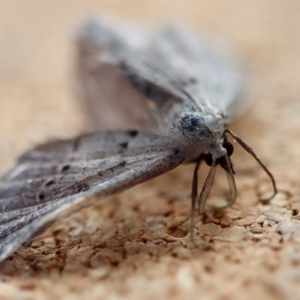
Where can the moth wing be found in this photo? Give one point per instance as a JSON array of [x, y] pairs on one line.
[[122, 68], [120, 74], [53, 180], [203, 67]]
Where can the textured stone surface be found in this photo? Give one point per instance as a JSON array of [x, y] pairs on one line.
[[135, 245]]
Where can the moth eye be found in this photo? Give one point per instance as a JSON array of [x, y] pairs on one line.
[[229, 148], [208, 159]]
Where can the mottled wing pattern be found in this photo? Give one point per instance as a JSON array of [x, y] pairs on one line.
[[52, 180]]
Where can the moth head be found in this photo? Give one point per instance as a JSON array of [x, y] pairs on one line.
[[225, 162], [222, 160]]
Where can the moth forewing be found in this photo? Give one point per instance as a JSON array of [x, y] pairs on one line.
[[50, 178]]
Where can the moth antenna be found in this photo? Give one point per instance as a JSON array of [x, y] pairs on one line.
[[194, 195], [251, 151], [207, 187], [231, 183]]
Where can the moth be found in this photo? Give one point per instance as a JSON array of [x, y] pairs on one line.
[[167, 98]]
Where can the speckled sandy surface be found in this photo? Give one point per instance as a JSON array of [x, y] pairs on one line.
[[135, 245]]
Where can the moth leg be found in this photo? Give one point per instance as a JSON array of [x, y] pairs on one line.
[[194, 195], [251, 151]]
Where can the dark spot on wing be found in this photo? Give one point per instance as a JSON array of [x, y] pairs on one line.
[[189, 81], [50, 182], [124, 145], [111, 169], [133, 133], [191, 123], [65, 168], [42, 196], [81, 187], [192, 80]]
